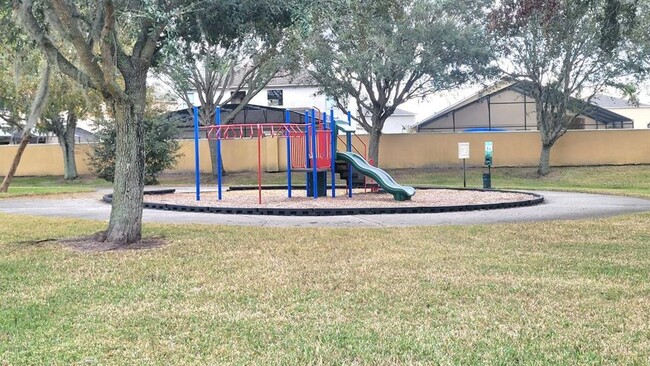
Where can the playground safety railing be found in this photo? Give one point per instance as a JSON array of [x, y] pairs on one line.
[[323, 152], [242, 131], [364, 154], [365, 148]]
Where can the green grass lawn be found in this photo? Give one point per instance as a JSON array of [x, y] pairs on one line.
[[625, 180], [31, 186], [575, 292]]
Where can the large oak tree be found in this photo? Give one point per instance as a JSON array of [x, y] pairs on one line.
[[382, 53], [565, 49], [115, 43], [113, 57]]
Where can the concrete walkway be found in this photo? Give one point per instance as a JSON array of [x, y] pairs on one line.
[[557, 206]]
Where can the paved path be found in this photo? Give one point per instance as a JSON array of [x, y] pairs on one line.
[[557, 206]]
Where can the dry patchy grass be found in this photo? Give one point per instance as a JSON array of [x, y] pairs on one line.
[[545, 293]]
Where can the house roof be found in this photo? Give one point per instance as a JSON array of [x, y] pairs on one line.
[[399, 112], [83, 133], [402, 112], [251, 113], [301, 78], [607, 101], [591, 110]]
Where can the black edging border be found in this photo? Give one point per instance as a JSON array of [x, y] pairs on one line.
[[536, 200]]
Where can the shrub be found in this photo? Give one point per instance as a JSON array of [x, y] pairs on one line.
[[160, 147]]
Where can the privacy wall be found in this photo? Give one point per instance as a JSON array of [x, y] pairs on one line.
[[587, 147]]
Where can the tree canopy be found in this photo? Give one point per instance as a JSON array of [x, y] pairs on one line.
[[384, 53], [113, 44], [565, 49], [239, 52]]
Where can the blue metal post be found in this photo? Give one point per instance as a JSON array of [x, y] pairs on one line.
[[287, 120], [333, 167], [217, 117], [349, 141], [325, 147], [307, 157], [197, 172], [314, 154]]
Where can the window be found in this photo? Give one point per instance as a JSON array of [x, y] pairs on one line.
[[237, 97], [274, 97], [329, 103], [190, 96]]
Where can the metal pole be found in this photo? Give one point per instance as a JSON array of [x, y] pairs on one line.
[[307, 158], [453, 120], [525, 114], [197, 172], [287, 120], [464, 175], [259, 164], [489, 108], [333, 167], [314, 152], [349, 141], [217, 117], [325, 148]]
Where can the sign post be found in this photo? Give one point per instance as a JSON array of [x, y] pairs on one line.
[[463, 153], [487, 177]]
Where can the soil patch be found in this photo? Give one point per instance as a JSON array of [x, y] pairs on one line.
[[95, 243]]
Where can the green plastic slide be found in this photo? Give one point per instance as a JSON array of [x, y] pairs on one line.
[[385, 181]]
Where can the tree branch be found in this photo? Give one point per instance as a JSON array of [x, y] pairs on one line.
[[53, 54]]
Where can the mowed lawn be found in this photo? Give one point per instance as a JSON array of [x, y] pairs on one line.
[[630, 180], [47, 185], [624, 180], [575, 292]]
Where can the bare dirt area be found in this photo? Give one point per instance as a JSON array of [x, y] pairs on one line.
[[360, 199], [96, 243]]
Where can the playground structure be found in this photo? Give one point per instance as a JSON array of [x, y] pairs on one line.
[[311, 147]]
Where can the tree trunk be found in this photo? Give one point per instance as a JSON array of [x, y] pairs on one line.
[[67, 142], [213, 159], [14, 164], [213, 156], [545, 160], [125, 225], [34, 115], [373, 147]]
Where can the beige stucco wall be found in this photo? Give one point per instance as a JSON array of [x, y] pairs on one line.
[[42, 159], [588, 147]]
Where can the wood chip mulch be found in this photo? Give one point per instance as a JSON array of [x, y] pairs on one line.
[[360, 199]]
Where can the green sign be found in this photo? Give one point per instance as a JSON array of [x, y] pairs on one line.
[[488, 153]]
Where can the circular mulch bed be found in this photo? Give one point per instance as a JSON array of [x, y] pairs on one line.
[[276, 202]]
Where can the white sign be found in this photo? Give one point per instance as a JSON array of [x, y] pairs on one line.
[[488, 148], [463, 150]]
